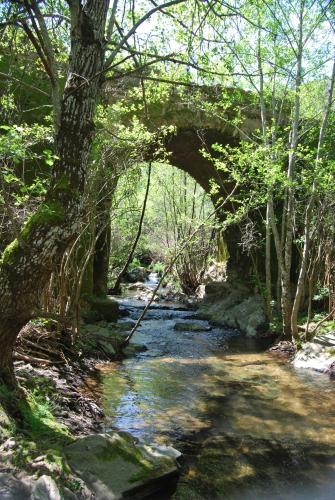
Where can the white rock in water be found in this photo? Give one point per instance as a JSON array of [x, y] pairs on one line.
[[315, 357], [162, 451]]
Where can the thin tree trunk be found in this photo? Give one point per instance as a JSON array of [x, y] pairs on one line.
[[286, 301], [309, 213], [268, 280], [103, 238], [117, 285]]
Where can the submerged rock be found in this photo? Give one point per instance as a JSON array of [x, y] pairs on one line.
[[133, 349], [115, 466]]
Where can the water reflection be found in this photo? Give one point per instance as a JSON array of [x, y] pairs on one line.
[[249, 425]]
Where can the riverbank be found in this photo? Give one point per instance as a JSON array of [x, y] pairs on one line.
[[62, 412], [77, 406]]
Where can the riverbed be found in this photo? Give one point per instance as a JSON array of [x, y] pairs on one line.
[[249, 425]]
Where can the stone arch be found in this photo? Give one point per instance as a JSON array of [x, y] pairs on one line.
[[184, 148], [195, 130]]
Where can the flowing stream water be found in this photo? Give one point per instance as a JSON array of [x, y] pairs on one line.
[[248, 424]]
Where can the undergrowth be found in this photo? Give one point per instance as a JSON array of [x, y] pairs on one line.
[[39, 434]]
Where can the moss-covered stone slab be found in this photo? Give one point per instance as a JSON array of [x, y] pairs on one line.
[[101, 308], [115, 466], [187, 326]]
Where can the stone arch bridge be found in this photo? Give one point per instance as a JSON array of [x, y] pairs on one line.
[[200, 117]]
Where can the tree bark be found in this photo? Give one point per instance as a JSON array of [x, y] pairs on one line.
[[27, 263], [101, 253]]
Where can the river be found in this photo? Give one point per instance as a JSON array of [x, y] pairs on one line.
[[249, 425]]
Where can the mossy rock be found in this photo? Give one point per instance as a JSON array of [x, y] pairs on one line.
[[101, 309], [107, 348], [133, 349], [6, 424], [187, 326], [115, 466]]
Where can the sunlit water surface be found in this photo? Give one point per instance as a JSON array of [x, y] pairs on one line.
[[249, 426]]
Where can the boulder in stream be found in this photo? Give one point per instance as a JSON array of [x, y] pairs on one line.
[[114, 465], [137, 274], [315, 356], [187, 326], [236, 306], [101, 308]]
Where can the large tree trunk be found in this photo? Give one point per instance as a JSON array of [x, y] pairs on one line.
[[27, 263]]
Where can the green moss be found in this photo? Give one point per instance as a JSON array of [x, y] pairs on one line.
[[40, 434], [11, 253], [62, 184], [49, 213], [133, 455], [327, 326], [101, 309], [7, 425]]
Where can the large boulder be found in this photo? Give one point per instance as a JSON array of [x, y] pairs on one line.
[[115, 466], [101, 308], [315, 356], [137, 274], [46, 488], [187, 326], [236, 306], [15, 488], [216, 272]]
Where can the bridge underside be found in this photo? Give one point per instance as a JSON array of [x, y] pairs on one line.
[[185, 149], [185, 153]]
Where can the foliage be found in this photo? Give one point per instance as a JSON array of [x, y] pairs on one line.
[[175, 206]]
